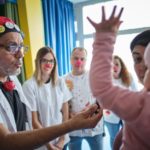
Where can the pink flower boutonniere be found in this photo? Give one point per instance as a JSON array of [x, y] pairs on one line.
[[8, 85], [69, 84]]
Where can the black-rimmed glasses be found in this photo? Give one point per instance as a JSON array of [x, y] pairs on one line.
[[46, 61]]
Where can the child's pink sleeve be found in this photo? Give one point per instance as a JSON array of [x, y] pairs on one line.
[[123, 102]]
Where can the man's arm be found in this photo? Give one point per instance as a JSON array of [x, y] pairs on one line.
[[28, 140], [65, 114]]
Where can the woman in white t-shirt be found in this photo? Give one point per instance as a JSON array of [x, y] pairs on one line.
[[122, 78], [48, 96]]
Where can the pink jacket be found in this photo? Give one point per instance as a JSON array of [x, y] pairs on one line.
[[132, 107]]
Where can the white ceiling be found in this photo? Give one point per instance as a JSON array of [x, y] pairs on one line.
[[77, 1]]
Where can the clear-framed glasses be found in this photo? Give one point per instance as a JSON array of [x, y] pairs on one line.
[[13, 49], [46, 61]]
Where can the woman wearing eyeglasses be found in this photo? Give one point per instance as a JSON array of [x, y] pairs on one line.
[[48, 96]]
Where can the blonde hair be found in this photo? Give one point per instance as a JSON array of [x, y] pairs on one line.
[[79, 48], [38, 73]]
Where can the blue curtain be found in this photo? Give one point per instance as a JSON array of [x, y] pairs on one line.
[[59, 31], [12, 1]]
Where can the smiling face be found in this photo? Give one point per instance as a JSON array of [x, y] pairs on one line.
[[139, 65], [116, 68], [47, 64], [10, 63], [78, 61]]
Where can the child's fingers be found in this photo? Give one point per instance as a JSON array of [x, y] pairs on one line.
[[120, 13], [92, 22]]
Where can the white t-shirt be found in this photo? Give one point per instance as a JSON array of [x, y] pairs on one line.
[[47, 101], [109, 116], [1, 120], [82, 95]]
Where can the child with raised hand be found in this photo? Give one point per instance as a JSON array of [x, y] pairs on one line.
[[132, 107]]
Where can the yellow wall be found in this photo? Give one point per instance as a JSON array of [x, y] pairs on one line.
[[31, 22]]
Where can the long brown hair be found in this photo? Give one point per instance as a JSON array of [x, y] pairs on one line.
[[124, 73], [38, 73]]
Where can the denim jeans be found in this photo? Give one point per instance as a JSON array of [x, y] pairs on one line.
[[113, 129], [95, 142], [65, 147]]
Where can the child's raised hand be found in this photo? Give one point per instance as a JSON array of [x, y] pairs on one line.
[[108, 25]]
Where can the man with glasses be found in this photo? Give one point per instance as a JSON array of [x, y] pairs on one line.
[[14, 108]]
